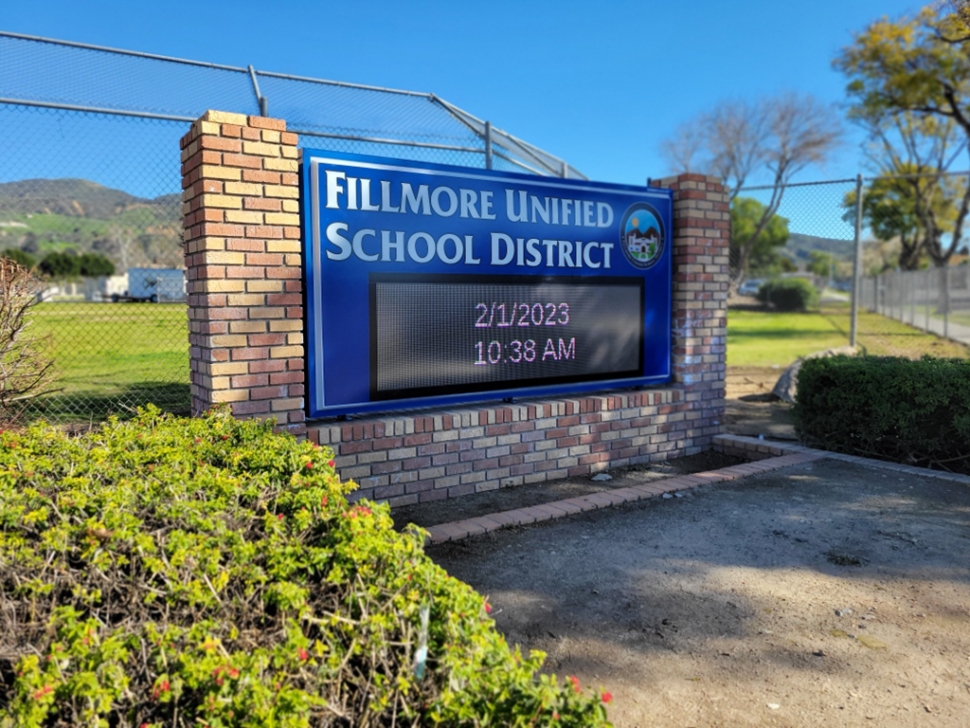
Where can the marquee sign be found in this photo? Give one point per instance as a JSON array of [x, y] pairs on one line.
[[431, 285]]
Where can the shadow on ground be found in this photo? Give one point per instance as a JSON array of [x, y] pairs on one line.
[[837, 592]]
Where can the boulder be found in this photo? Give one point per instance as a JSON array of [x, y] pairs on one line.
[[787, 384]]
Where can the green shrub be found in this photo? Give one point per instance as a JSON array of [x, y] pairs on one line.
[[915, 412], [176, 572], [789, 294]]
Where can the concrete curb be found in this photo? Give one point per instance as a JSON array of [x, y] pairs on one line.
[[765, 455], [604, 499], [758, 450]]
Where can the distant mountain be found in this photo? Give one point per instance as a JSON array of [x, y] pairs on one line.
[[39, 216], [801, 246], [73, 198]]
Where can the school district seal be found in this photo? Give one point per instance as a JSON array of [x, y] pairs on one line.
[[642, 235]]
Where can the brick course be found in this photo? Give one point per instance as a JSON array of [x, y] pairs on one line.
[[243, 277]]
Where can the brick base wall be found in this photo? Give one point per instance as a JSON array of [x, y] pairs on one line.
[[423, 457]]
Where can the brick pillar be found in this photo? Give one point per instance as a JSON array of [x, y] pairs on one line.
[[701, 238], [243, 259]]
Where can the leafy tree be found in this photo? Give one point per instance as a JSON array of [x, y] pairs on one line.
[[93, 264], [909, 83], [821, 263], [60, 265], [762, 240], [777, 137], [22, 258], [915, 211]]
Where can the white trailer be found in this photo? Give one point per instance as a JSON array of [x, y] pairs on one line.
[[153, 284]]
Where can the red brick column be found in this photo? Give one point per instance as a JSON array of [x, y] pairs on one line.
[[243, 260], [701, 239]]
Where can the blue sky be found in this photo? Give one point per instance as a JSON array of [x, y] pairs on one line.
[[599, 83]]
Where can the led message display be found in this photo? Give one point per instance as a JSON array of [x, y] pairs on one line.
[[429, 284]]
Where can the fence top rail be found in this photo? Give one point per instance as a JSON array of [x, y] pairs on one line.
[[923, 175], [533, 158], [121, 51], [799, 184]]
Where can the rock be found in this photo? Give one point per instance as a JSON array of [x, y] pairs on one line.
[[773, 706], [602, 477], [787, 385], [843, 612]]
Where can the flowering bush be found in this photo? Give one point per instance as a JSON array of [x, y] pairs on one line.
[[166, 571]]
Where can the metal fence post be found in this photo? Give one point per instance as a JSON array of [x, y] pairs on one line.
[[260, 99], [912, 298], [946, 302], [926, 299], [488, 145], [856, 264]]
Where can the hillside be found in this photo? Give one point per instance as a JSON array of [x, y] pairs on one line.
[[72, 197], [41, 215], [801, 246]]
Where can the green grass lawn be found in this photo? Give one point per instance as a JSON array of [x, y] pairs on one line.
[[111, 355], [764, 339]]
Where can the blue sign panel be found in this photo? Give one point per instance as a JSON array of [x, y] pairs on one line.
[[432, 285]]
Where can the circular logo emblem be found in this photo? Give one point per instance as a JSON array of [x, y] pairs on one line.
[[642, 235]]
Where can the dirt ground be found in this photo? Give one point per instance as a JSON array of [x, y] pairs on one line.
[[827, 594]]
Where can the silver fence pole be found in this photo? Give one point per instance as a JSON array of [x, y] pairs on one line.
[[926, 299], [488, 145], [946, 302], [912, 298], [898, 295], [261, 100], [856, 263]]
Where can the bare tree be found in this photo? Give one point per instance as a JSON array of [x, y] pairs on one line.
[[736, 135], [682, 150], [25, 369], [776, 137]]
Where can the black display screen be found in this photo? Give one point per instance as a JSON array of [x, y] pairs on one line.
[[440, 334]]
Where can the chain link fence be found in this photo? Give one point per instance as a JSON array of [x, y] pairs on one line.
[[900, 312], [90, 194]]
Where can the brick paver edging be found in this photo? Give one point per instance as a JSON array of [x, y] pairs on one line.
[[758, 450], [606, 498], [766, 456]]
